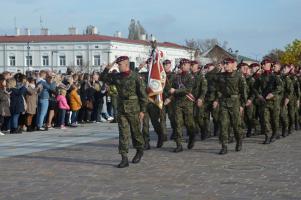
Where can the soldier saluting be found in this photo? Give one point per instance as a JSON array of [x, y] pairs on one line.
[[132, 101]]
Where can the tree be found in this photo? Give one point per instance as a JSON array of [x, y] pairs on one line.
[[292, 54], [136, 30], [204, 44], [275, 55]]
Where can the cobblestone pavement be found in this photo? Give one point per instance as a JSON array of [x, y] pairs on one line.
[[84, 168]]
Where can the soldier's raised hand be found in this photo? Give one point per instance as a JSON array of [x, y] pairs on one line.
[[269, 96]]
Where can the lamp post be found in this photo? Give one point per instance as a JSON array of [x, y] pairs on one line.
[[27, 60], [52, 60]]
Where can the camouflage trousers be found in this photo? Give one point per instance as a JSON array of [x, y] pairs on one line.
[[169, 109], [210, 111], [129, 125], [293, 114], [229, 117], [199, 118], [284, 119], [157, 118], [184, 117], [270, 114]]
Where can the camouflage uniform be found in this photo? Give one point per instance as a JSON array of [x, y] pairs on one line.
[[285, 94], [231, 95], [292, 105], [183, 85], [156, 116], [249, 111], [132, 99], [199, 92], [269, 109], [212, 78]]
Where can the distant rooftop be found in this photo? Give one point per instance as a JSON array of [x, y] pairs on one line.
[[79, 38]]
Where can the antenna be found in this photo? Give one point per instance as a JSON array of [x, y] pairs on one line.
[[15, 22], [41, 22]]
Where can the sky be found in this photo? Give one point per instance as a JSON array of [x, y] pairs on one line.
[[253, 27]]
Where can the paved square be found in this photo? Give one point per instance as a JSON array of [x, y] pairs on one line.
[[80, 164]]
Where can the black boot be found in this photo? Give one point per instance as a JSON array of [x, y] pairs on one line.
[[147, 145], [160, 141], [284, 134], [266, 140], [249, 132], [191, 141], [224, 150], [238, 145], [178, 149], [124, 162], [272, 139], [138, 156]]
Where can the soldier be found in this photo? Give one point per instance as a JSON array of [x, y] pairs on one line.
[[266, 89], [211, 77], [155, 115], [169, 100], [199, 91], [230, 97], [182, 92], [293, 105], [132, 101], [286, 95]]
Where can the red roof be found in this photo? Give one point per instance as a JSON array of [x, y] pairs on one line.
[[78, 38]]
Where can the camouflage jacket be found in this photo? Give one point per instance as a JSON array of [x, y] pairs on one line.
[[132, 97]]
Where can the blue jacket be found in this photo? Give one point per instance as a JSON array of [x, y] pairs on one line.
[[17, 105], [47, 87]]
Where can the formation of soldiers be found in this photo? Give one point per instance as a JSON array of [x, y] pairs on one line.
[[240, 100]]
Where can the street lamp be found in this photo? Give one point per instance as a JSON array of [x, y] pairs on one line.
[[52, 64], [27, 60]]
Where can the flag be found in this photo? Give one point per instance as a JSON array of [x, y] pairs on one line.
[[156, 79]]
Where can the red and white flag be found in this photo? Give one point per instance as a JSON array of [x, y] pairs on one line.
[[156, 79]]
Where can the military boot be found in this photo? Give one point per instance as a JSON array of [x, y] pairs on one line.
[[238, 145], [191, 141], [160, 141], [284, 134], [249, 133], [266, 140], [138, 156], [178, 149], [124, 162], [147, 145], [224, 150]]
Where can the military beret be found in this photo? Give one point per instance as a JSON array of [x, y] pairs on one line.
[[121, 58], [265, 61], [254, 65], [194, 62], [166, 62], [228, 60], [208, 65], [184, 61], [242, 65]]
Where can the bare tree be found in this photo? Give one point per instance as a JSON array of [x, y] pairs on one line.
[[204, 44]]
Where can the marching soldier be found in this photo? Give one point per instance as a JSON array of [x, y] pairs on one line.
[[132, 101], [184, 100], [155, 115], [211, 77], [287, 94], [230, 96], [267, 88], [169, 100]]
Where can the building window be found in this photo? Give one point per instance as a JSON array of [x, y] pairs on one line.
[[45, 60], [97, 60], [12, 61], [79, 60], [62, 60], [28, 60]]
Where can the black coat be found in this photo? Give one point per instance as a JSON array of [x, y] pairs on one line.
[[17, 105]]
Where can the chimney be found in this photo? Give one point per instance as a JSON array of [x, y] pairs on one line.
[[72, 31], [118, 34], [44, 31], [91, 30], [17, 31], [27, 31], [142, 37]]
